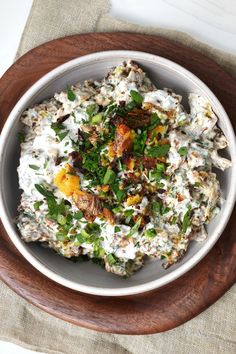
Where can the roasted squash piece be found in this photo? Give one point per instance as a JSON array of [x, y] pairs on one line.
[[133, 199], [67, 181], [108, 215], [123, 139]]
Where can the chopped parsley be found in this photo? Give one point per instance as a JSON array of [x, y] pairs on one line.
[[109, 176], [157, 173], [36, 205], [59, 130], [78, 215], [158, 151], [111, 259], [42, 190], [128, 108], [21, 137], [186, 220], [150, 233], [135, 228], [117, 229], [97, 119], [61, 219], [93, 228], [155, 120], [183, 151], [54, 208], [70, 95], [119, 193], [139, 143], [128, 215], [158, 208], [34, 167], [92, 110], [136, 97], [80, 238]]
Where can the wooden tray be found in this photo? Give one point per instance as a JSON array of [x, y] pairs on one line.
[[152, 312]]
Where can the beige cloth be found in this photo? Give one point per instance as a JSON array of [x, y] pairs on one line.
[[213, 331]]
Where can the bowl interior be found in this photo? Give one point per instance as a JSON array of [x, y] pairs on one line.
[[89, 274]]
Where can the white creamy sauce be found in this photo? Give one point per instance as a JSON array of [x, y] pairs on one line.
[[193, 140], [163, 99]]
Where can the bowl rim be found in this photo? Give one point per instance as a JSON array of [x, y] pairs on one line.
[[40, 85]]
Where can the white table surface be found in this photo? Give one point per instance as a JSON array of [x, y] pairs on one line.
[[211, 21]]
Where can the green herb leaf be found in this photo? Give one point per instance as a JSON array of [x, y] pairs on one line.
[[109, 177], [37, 205], [186, 220], [156, 207], [173, 220], [120, 165], [21, 137], [150, 233], [155, 120], [34, 167], [91, 110], [85, 234], [57, 127], [62, 135], [70, 95], [128, 215], [139, 143], [43, 191], [136, 97], [135, 228], [116, 229], [183, 122], [78, 215], [160, 167], [54, 209], [61, 236], [165, 210], [97, 119], [129, 107], [69, 218], [156, 174], [119, 193], [98, 251], [80, 238], [158, 151], [46, 163], [93, 228], [61, 219], [110, 109], [116, 210], [92, 164], [111, 259], [183, 151], [59, 130]]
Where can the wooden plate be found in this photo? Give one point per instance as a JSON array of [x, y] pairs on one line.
[[152, 312]]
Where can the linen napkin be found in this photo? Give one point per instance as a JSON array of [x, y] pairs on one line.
[[213, 331]]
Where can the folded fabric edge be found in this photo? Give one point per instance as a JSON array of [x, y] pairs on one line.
[[31, 347], [224, 59]]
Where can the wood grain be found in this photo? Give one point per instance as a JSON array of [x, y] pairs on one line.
[[158, 310]]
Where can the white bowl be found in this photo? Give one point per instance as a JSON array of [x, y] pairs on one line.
[[88, 277]]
